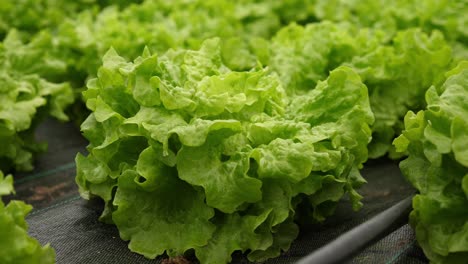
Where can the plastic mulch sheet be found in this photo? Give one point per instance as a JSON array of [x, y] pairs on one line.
[[70, 224]]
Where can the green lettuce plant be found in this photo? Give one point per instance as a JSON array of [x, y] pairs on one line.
[[160, 26], [397, 73], [16, 246], [27, 96], [390, 16], [437, 166], [190, 155]]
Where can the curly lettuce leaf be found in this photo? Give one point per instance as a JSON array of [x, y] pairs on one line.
[[436, 140], [16, 246], [237, 146], [176, 222]]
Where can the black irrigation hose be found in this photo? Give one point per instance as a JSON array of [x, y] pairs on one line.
[[354, 241]]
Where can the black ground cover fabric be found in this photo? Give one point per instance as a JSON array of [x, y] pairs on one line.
[[70, 224]]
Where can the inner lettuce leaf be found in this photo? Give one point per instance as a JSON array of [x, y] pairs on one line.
[[189, 154], [16, 246], [437, 142]]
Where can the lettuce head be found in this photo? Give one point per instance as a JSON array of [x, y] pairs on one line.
[[437, 142], [190, 155], [27, 95]]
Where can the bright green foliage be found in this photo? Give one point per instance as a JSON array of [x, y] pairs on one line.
[[161, 25], [396, 15], [189, 154], [303, 55], [437, 142], [397, 74], [26, 97], [267, 117], [397, 66], [397, 77], [69, 38], [392, 16], [16, 246], [53, 43], [31, 16]]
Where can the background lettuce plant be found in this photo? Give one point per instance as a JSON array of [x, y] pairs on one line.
[[436, 140], [388, 16], [397, 73], [16, 246], [27, 96]]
